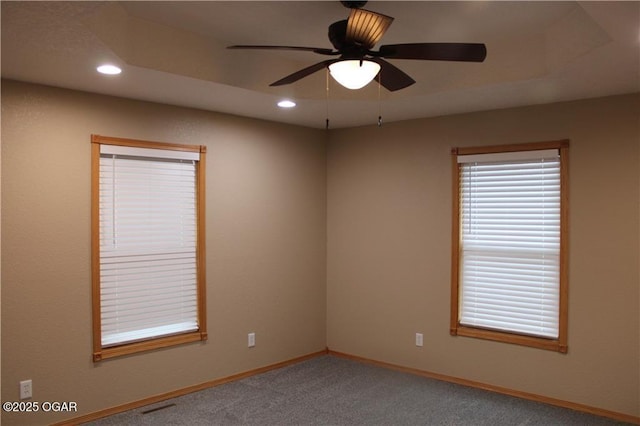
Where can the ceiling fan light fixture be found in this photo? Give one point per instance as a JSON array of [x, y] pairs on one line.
[[354, 74]]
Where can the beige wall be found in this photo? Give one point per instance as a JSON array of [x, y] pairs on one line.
[[314, 239], [266, 245], [389, 221]]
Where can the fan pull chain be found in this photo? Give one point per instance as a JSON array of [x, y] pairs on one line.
[[327, 112], [379, 100]]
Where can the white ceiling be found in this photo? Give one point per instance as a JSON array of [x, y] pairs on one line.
[[174, 53]]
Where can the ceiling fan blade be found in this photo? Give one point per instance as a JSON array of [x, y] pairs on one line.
[[319, 50], [292, 78], [391, 77], [468, 52], [366, 28]]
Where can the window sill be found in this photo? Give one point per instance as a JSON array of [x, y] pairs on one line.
[[516, 339], [148, 345]]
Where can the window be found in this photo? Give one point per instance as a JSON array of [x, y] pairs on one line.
[[509, 248], [148, 270]]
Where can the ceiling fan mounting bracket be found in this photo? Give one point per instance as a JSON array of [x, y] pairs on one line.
[[353, 4]]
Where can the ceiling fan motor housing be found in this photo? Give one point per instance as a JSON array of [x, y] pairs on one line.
[[338, 34], [347, 48]]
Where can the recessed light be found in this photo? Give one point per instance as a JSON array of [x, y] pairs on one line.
[[286, 104], [109, 69]]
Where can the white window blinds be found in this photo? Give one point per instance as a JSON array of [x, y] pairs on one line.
[[148, 236], [510, 242]]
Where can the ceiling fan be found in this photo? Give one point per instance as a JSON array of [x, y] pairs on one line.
[[352, 41]]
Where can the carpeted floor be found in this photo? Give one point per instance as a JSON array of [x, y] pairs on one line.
[[333, 391]]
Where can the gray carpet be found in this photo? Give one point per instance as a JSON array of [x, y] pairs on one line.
[[333, 391]]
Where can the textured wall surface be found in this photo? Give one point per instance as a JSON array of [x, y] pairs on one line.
[[314, 239], [266, 245], [389, 242]]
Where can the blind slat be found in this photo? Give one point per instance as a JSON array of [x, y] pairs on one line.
[[510, 241], [148, 232]]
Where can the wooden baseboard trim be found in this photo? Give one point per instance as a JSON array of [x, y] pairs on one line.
[[173, 394], [498, 389]]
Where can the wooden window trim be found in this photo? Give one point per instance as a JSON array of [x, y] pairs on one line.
[[456, 329], [100, 353]]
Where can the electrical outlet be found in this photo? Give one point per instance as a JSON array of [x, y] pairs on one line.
[[419, 339], [251, 340], [26, 390]]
